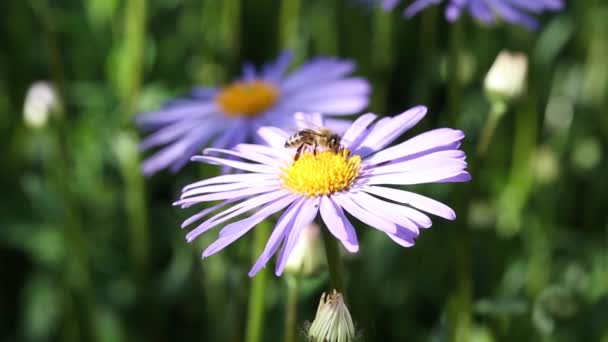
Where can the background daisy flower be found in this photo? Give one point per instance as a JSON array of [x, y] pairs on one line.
[[328, 183], [488, 11], [231, 115]]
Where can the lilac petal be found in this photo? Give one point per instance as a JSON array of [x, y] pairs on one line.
[[265, 211], [207, 211], [259, 168], [282, 228], [235, 211], [229, 187], [248, 72], [418, 6], [188, 202], [256, 157], [388, 5], [274, 137], [404, 237], [339, 126], [274, 72], [423, 142], [243, 177], [383, 134], [236, 133], [342, 105], [166, 134], [203, 93], [356, 129], [451, 159], [304, 217], [481, 11], [345, 201], [235, 230], [416, 177], [462, 176], [514, 16], [177, 153], [308, 120], [185, 112], [259, 149], [397, 214], [339, 88], [317, 71], [418, 201], [338, 224]]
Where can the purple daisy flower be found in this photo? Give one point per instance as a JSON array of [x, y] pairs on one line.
[[487, 11], [331, 182], [231, 115]]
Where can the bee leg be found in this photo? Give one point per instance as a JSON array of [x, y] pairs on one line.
[[314, 149], [298, 152]]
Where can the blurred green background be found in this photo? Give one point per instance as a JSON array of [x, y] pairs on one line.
[[92, 251]]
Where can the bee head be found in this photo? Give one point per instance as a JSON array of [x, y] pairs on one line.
[[334, 141]]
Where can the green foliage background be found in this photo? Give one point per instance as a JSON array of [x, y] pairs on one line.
[[92, 251]]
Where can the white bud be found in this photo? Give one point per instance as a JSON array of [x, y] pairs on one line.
[[307, 255], [41, 100], [507, 76], [332, 322]]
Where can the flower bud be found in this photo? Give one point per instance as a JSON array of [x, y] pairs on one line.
[[41, 101], [307, 255], [332, 322], [507, 76]]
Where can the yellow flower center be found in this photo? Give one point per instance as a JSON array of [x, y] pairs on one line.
[[325, 173], [247, 98]]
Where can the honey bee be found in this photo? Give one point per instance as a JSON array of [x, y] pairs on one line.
[[314, 139]]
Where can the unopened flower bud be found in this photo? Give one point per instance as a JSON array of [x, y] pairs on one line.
[[307, 255], [507, 76], [332, 322], [41, 101]]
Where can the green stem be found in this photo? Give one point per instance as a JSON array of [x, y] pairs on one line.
[[454, 77], [255, 315], [129, 88], [289, 22], [334, 263], [460, 298], [292, 308], [381, 57], [496, 113]]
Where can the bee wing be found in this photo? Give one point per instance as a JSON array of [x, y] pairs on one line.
[[312, 121]]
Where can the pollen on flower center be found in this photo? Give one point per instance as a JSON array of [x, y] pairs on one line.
[[323, 173], [247, 98]]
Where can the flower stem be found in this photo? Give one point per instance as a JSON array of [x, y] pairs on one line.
[[332, 253], [459, 304], [496, 113], [454, 73], [129, 88], [292, 308], [255, 315]]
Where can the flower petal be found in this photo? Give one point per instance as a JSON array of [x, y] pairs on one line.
[[235, 164], [352, 134], [282, 228], [235, 211], [385, 131], [274, 137], [338, 224], [235, 230], [425, 142], [418, 201], [304, 217], [372, 220], [317, 71]]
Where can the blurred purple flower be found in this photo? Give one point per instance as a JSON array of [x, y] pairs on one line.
[[328, 183], [231, 115], [487, 11]]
